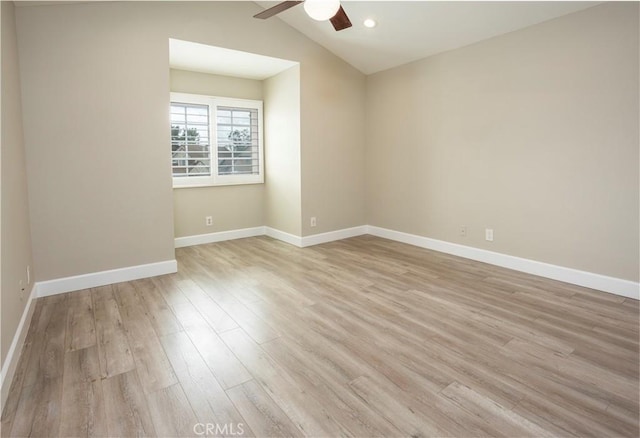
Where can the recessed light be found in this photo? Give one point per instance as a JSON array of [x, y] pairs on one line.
[[370, 23]]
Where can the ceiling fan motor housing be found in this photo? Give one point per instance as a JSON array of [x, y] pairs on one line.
[[321, 10]]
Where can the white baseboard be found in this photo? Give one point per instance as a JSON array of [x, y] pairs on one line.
[[316, 239], [301, 242], [96, 279], [285, 237], [13, 355], [604, 283], [220, 236]]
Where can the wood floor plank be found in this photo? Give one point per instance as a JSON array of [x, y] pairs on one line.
[[403, 411], [83, 412], [168, 288], [154, 369], [113, 345], [207, 398], [47, 355], [217, 318], [306, 412], [571, 367], [341, 403], [171, 412], [158, 310], [330, 361], [226, 367], [259, 329], [567, 421], [502, 420], [261, 413], [81, 329], [126, 406], [38, 411], [189, 317], [529, 334], [385, 362], [270, 286]]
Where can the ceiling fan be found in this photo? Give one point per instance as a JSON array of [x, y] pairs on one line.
[[320, 10]]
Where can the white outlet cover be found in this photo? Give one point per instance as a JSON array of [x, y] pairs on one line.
[[488, 234]]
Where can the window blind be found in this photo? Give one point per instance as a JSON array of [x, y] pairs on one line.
[[237, 140], [190, 141]]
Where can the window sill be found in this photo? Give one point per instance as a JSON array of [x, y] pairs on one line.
[[221, 184]]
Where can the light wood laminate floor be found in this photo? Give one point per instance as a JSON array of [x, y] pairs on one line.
[[362, 337]]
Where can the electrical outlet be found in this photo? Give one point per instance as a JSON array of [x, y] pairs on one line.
[[313, 221], [488, 234], [209, 220], [463, 231]]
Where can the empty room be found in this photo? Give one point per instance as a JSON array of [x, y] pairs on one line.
[[320, 218]]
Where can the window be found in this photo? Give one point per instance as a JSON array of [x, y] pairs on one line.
[[215, 141]]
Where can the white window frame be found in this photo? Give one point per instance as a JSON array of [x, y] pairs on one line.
[[213, 102]]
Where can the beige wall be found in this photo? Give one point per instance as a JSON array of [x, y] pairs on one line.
[[332, 161], [15, 235], [533, 134], [282, 151], [182, 81], [232, 207], [95, 82], [102, 199]]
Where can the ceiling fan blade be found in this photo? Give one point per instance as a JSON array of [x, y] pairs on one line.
[[280, 7], [340, 21]]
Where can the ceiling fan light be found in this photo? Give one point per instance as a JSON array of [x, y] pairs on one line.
[[321, 10]]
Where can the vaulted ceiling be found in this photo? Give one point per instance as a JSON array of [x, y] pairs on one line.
[[411, 30]]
